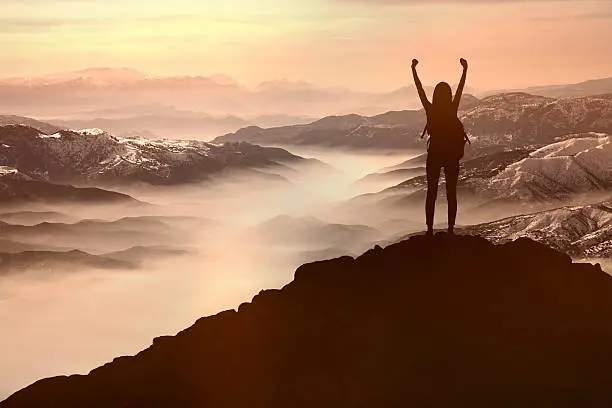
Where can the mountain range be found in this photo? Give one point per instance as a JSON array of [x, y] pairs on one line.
[[17, 188], [54, 262], [61, 95], [96, 157], [581, 231], [163, 120], [312, 235], [584, 88], [50, 241], [504, 120], [511, 325], [99, 236], [575, 170]]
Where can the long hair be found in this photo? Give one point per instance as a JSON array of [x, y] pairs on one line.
[[441, 109], [442, 98]]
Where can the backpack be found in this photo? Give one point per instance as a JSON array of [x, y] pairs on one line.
[[447, 137]]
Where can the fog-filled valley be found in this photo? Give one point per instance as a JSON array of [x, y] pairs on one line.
[[111, 236], [156, 266], [83, 282]]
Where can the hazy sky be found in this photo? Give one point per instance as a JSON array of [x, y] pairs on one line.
[[363, 44]]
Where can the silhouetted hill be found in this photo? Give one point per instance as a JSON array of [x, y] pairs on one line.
[[108, 236], [314, 234], [140, 254], [36, 217], [585, 88], [14, 247], [392, 176], [428, 322], [43, 127], [53, 261], [16, 188]]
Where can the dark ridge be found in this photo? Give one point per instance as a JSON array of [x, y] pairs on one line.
[[47, 128], [14, 191], [428, 322], [57, 261]]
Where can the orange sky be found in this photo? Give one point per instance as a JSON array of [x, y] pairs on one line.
[[362, 44]]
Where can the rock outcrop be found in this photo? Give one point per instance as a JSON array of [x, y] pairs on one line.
[[427, 322]]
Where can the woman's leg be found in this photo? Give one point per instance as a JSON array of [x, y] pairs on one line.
[[433, 176], [451, 173]]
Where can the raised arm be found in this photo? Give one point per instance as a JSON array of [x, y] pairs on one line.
[[459, 92], [419, 86]]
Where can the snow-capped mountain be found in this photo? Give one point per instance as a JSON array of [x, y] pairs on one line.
[[575, 170], [581, 231], [507, 120], [91, 155], [557, 171], [554, 172], [519, 119]]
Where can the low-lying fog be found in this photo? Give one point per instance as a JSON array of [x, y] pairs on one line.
[[57, 322], [192, 251]]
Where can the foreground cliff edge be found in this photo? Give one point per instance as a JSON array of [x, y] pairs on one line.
[[427, 322]]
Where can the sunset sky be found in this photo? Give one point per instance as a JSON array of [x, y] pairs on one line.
[[362, 44]]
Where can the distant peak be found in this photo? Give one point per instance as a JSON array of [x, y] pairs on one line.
[[285, 85]]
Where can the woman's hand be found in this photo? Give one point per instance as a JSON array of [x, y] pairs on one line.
[[414, 63], [463, 63]]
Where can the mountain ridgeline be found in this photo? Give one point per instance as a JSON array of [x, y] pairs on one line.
[[95, 156], [511, 119], [510, 325], [572, 172]]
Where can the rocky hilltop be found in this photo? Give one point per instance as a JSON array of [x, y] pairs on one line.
[[510, 325]]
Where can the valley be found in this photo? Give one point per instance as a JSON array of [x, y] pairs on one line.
[[100, 232]]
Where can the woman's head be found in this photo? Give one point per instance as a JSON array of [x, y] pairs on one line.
[[443, 96]]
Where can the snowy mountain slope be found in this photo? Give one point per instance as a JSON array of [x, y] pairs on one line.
[[582, 231], [573, 171], [519, 119], [483, 167], [557, 171], [554, 172], [95, 156]]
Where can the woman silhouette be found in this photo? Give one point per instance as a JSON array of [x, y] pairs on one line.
[[441, 120]]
